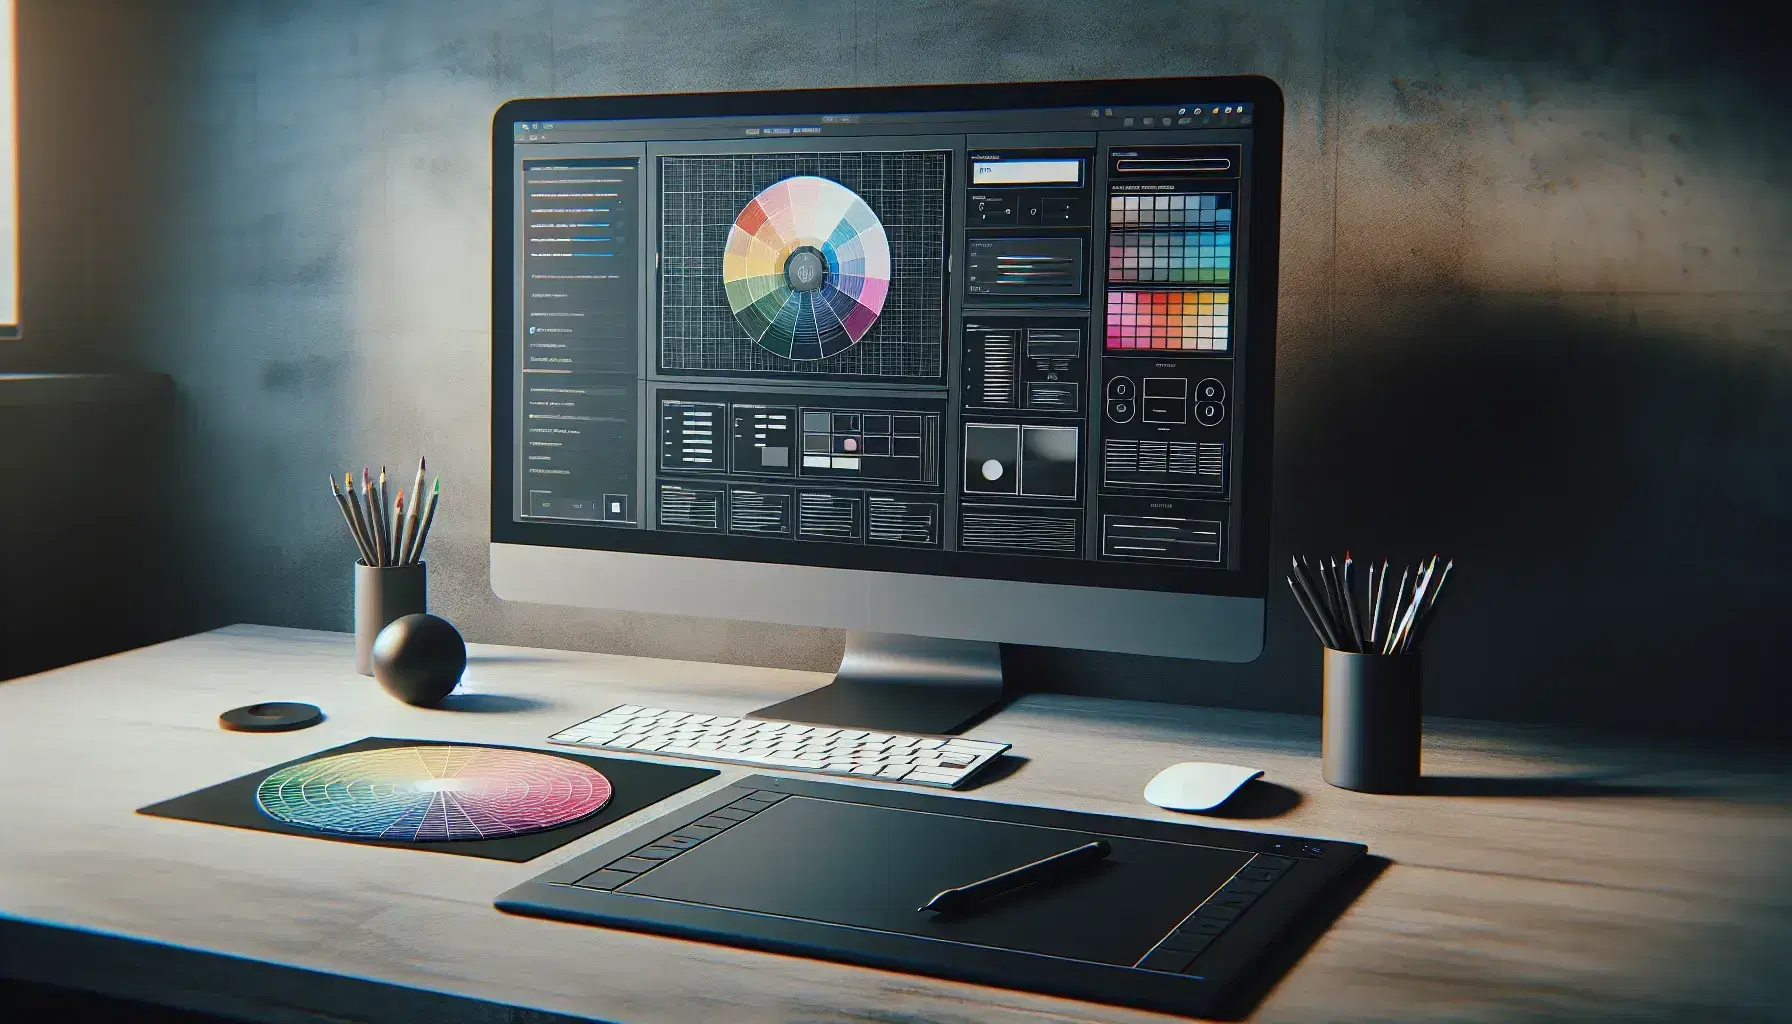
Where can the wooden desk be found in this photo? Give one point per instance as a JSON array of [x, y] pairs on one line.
[[1551, 882]]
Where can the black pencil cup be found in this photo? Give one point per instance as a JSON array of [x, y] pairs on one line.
[[382, 595], [1372, 721]]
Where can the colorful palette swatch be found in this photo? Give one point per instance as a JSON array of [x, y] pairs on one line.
[[433, 793], [1170, 257], [806, 268], [1187, 321], [1201, 210]]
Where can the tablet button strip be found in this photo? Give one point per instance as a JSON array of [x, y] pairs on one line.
[[633, 865], [1177, 952]]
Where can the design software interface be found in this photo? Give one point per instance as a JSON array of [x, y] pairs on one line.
[[1004, 333]]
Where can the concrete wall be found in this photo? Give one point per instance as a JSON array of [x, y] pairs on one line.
[[1535, 297]]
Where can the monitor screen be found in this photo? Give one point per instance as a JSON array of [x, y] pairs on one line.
[[898, 330]]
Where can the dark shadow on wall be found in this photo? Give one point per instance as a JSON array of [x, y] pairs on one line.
[[90, 564], [1721, 46], [1618, 501]]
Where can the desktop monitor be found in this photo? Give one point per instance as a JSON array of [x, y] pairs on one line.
[[944, 366]]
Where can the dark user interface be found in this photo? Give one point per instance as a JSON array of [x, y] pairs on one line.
[[1000, 343]]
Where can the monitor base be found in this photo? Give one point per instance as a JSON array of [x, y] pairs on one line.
[[897, 683]]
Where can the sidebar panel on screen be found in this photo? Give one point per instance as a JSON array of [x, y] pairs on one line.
[[579, 408]]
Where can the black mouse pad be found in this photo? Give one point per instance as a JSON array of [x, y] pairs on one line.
[[635, 785]]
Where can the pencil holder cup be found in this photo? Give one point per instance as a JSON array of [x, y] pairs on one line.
[[382, 595], [1371, 721]]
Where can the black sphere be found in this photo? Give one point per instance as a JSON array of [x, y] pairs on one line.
[[419, 659]]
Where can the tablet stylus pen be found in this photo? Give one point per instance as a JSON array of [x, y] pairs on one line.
[[1026, 874]]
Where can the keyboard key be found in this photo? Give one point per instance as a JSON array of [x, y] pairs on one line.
[[924, 775], [733, 813], [711, 821], [626, 709], [895, 771], [929, 744], [658, 852], [676, 842]]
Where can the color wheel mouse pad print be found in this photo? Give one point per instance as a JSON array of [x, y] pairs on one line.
[[502, 803]]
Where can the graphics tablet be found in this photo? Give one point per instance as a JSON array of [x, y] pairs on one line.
[[1167, 921]]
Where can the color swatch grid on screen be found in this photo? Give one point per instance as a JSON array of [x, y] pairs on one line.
[[1170, 257], [1201, 210], [806, 268], [1188, 321], [433, 793]]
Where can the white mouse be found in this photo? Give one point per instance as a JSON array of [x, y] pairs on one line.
[[1197, 785]]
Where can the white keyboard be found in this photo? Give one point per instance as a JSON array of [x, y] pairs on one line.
[[940, 761]]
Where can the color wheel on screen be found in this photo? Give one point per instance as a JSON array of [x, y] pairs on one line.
[[433, 793], [806, 268]]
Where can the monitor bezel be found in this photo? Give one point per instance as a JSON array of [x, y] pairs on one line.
[[1257, 360]]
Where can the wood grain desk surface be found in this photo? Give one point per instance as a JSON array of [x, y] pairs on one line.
[[1542, 880]]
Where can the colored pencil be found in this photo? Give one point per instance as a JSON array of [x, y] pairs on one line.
[[354, 532], [388, 530], [408, 538], [375, 518], [429, 517]]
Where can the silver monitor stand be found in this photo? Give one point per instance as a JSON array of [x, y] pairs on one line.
[[895, 674], [901, 683]]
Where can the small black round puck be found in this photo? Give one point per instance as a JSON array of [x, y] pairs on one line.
[[276, 716]]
